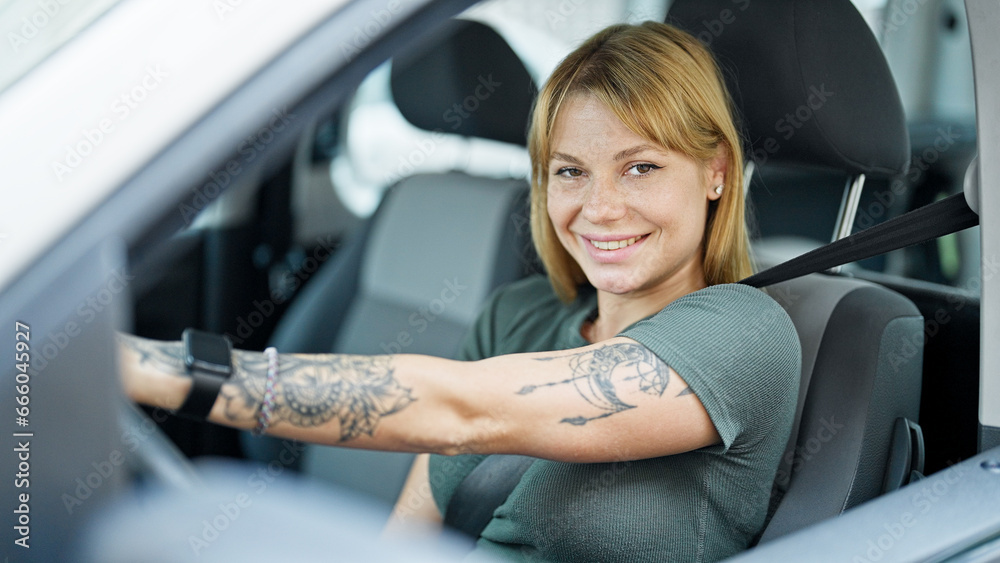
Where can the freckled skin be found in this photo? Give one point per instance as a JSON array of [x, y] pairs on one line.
[[655, 192]]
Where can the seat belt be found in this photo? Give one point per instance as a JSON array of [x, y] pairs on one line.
[[482, 491], [943, 217], [491, 482]]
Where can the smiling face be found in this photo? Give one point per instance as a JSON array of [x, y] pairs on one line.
[[631, 213]]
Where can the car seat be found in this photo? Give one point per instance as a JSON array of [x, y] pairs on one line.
[[814, 92], [413, 277]]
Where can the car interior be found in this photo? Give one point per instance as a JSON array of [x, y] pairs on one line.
[[386, 225], [850, 329]]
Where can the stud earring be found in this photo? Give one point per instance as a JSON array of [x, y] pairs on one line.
[[718, 189]]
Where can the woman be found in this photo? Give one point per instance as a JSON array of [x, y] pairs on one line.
[[657, 395]]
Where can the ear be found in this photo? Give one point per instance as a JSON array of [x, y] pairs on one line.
[[715, 172]]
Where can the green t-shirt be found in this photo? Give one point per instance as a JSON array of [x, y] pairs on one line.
[[738, 352]]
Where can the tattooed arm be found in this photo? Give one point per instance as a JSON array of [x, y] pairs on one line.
[[608, 401]]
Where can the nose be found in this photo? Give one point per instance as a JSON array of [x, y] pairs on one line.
[[604, 202]]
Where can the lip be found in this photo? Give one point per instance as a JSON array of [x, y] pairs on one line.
[[608, 238], [611, 256]]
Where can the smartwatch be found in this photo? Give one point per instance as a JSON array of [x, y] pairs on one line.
[[208, 360]]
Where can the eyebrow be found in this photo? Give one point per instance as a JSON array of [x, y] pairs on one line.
[[632, 151], [618, 156], [565, 157]]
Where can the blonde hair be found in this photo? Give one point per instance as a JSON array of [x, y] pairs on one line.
[[666, 87]]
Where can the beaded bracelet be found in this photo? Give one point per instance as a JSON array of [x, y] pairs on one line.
[[267, 405]]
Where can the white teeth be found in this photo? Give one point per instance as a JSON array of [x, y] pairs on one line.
[[614, 244]]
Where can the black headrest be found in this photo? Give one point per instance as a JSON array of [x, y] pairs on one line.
[[809, 79], [464, 79]]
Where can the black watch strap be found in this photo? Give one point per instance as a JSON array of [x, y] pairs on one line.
[[207, 358], [204, 390]]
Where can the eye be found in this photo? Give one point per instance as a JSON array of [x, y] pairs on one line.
[[642, 169], [569, 172]]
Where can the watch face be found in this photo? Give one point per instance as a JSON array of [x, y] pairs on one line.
[[207, 351]]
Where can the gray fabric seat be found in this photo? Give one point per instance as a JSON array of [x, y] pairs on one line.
[[438, 247], [862, 358], [413, 277], [814, 93]]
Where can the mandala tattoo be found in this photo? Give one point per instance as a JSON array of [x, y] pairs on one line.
[[358, 390], [595, 374], [313, 389]]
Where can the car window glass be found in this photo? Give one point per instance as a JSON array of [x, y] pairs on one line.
[[927, 47], [926, 44], [379, 147]]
